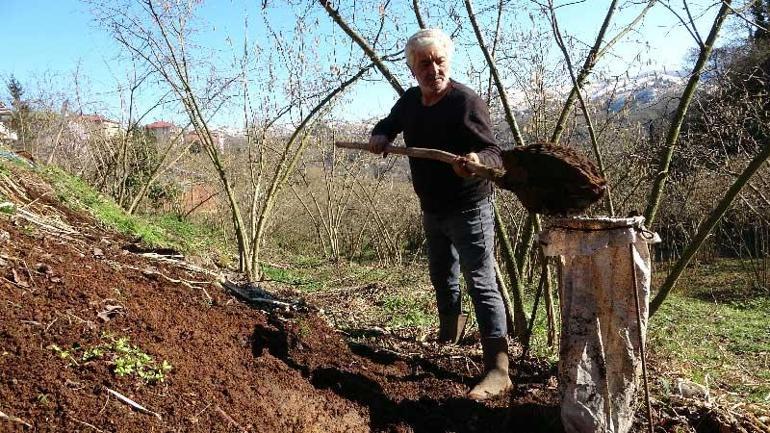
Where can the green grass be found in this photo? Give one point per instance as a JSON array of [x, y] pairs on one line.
[[291, 277], [718, 343], [166, 230], [311, 274], [403, 310]]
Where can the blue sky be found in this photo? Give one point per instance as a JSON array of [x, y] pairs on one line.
[[56, 36]]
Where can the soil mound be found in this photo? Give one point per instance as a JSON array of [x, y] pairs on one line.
[[69, 290], [96, 338]]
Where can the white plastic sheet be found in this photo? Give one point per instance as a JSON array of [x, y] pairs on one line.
[[600, 362]]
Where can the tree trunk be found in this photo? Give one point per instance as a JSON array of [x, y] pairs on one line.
[[704, 229], [673, 133]]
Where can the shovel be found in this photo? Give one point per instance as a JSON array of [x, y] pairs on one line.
[[547, 179]]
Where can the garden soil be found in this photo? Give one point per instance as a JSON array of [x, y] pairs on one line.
[[67, 286]]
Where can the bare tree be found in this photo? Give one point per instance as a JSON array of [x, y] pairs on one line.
[[160, 35]]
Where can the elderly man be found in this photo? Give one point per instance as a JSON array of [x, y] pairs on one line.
[[458, 218]]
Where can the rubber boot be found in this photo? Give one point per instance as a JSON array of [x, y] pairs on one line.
[[495, 380], [451, 327]]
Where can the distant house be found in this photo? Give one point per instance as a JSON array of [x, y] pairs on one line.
[[163, 131], [94, 125], [5, 113], [6, 134]]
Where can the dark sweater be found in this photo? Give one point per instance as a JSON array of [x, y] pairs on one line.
[[458, 123]]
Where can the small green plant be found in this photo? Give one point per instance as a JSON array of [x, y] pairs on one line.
[[304, 328], [125, 358], [93, 353], [131, 360], [7, 208], [61, 353], [43, 399]]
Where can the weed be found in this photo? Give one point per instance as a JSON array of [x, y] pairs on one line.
[[407, 311], [304, 328], [131, 360], [7, 208], [93, 353], [61, 353], [43, 399], [125, 358]]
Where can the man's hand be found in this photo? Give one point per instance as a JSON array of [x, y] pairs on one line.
[[459, 164], [377, 143]]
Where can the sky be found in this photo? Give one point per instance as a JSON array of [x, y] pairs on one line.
[[56, 37]]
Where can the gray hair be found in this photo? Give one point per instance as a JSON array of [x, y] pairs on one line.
[[426, 38]]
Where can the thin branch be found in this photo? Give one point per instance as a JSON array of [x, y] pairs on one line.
[[369, 51], [416, 9], [692, 31], [588, 64], [705, 228], [498, 82], [577, 87], [673, 133]]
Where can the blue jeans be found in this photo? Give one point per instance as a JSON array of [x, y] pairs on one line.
[[466, 240]]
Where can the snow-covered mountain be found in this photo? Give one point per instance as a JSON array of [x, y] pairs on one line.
[[635, 92], [614, 93]]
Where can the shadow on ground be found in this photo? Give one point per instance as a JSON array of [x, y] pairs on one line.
[[404, 395]]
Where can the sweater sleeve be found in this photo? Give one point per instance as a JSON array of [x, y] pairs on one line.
[[391, 125], [477, 127]]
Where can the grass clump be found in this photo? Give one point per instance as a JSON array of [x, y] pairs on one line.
[[409, 310]]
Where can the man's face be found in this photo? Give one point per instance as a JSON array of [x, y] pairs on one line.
[[431, 69]]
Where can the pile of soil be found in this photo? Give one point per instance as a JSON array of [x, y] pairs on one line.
[[235, 366]]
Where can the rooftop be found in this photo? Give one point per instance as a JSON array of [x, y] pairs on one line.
[[160, 124]]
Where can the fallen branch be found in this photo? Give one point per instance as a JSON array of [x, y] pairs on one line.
[[62, 232], [251, 297], [14, 419], [186, 283], [15, 188], [86, 424], [132, 403], [229, 419], [182, 264]]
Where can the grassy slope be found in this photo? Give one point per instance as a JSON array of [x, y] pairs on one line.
[[715, 330], [153, 230]]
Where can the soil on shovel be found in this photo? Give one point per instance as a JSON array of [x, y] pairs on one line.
[[74, 304]]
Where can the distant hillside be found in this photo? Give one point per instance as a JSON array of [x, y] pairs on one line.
[[636, 92]]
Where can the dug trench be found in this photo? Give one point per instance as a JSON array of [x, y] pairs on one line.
[[399, 393], [72, 300]]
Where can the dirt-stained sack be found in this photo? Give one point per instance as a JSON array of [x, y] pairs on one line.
[[600, 361]]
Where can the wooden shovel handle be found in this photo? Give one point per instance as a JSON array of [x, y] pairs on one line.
[[414, 152], [419, 152]]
